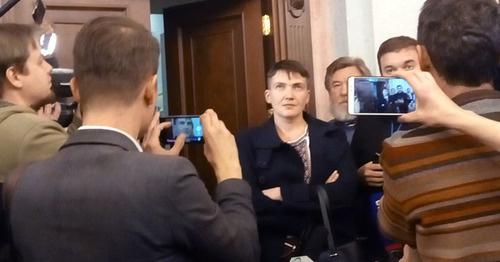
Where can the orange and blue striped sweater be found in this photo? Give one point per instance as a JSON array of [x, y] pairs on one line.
[[442, 189]]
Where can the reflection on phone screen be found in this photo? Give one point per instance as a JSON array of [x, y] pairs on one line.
[[190, 126], [383, 95]]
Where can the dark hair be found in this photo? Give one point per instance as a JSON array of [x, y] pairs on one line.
[[15, 40], [289, 66], [113, 57], [187, 118], [462, 38], [343, 62], [394, 44]]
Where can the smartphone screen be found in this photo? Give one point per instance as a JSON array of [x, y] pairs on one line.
[[188, 124], [380, 96]]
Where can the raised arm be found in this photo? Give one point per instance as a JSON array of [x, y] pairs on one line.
[[226, 231], [436, 109]]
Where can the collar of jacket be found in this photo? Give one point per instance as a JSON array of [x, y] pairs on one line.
[[100, 137], [268, 136], [7, 109], [4, 103]]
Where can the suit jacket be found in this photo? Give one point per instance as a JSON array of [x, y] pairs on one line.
[[99, 199], [269, 162]]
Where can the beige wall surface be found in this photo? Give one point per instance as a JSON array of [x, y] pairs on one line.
[[355, 28]]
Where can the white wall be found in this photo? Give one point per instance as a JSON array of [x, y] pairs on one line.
[[355, 28], [327, 22], [157, 31], [394, 18], [360, 32]]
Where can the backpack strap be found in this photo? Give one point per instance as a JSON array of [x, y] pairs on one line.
[[324, 203]]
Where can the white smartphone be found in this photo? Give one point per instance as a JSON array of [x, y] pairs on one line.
[[380, 96]]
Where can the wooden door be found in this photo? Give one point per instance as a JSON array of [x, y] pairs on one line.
[[69, 16], [214, 59]]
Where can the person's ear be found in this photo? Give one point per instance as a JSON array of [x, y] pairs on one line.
[[151, 90], [75, 90], [423, 58], [267, 96], [12, 76], [154, 82]]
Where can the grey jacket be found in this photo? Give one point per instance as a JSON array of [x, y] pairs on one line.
[[100, 199]]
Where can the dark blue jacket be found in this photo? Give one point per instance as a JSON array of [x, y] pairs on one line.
[[269, 162]]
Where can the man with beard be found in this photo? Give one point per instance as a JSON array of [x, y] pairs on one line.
[[336, 85], [25, 88]]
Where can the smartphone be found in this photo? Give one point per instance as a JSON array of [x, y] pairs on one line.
[[188, 124], [380, 96], [376, 158]]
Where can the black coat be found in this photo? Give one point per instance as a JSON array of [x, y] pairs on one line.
[[269, 162]]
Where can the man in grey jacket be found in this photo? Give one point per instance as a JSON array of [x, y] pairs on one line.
[[100, 198]]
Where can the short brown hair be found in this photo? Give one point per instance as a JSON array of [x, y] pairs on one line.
[[289, 66], [15, 40], [463, 42], [343, 62], [113, 57], [395, 44]]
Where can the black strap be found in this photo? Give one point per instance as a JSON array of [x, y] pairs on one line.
[[324, 203]]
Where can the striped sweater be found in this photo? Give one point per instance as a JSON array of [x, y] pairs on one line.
[[442, 189]]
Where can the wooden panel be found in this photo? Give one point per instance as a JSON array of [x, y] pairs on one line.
[[135, 9], [207, 86], [205, 26], [66, 34], [215, 60], [292, 38], [69, 16], [68, 20]]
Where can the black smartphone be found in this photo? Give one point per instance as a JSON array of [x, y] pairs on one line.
[[188, 124], [380, 96], [376, 158]]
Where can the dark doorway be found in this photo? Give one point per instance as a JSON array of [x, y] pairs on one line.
[[214, 59]]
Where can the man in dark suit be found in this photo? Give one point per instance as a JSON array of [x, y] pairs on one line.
[[395, 55], [101, 199]]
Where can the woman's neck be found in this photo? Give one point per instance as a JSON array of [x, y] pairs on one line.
[[290, 129]]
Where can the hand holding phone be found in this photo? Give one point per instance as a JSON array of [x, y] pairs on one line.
[[380, 96], [151, 143], [372, 173], [220, 147]]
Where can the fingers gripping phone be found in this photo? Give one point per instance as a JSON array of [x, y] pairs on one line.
[[187, 124], [380, 96]]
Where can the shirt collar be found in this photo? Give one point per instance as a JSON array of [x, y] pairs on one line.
[[136, 143]]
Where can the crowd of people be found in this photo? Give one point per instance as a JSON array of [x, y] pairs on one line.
[[423, 186]]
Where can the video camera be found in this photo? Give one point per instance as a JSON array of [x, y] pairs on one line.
[[60, 86]]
